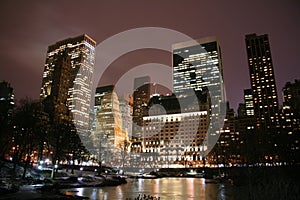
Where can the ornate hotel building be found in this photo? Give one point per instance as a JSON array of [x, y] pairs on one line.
[[173, 138]]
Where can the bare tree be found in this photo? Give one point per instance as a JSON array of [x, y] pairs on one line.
[[29, 131], [124, 147]]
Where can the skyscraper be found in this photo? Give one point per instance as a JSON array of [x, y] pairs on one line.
[[141, 96], [197, 66], [262, 79], [67, 81], [109, 133]]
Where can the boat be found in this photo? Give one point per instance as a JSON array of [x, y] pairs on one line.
[[147, 176], [195, 175]]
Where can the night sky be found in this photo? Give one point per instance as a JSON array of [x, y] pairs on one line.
[[29, 27]]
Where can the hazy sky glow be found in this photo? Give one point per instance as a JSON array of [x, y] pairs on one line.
[[29, 27]]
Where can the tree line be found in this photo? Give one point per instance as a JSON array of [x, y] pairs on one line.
[[30, 136]]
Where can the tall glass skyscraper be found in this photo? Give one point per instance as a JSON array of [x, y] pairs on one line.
[[67, 81], [197, 66], [262, 79]]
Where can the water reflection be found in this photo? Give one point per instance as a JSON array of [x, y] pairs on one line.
[[165, 188], [156, 186]]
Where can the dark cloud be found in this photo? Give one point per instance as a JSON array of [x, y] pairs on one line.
[[28, 27]]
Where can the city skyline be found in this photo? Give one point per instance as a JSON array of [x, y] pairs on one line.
[[197, 68], [165, 90], [46, 29], [202, 98]]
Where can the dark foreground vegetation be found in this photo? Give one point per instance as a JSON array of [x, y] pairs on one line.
[[38, 184]]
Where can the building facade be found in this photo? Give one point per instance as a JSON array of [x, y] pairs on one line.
[[173, 138]]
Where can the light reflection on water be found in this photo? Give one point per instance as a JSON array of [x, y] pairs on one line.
[[165, 188]]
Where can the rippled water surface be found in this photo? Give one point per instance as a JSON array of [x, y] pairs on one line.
[[165, 188]]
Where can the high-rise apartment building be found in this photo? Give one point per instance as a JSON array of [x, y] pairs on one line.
[[67, 81], [262, 79]]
